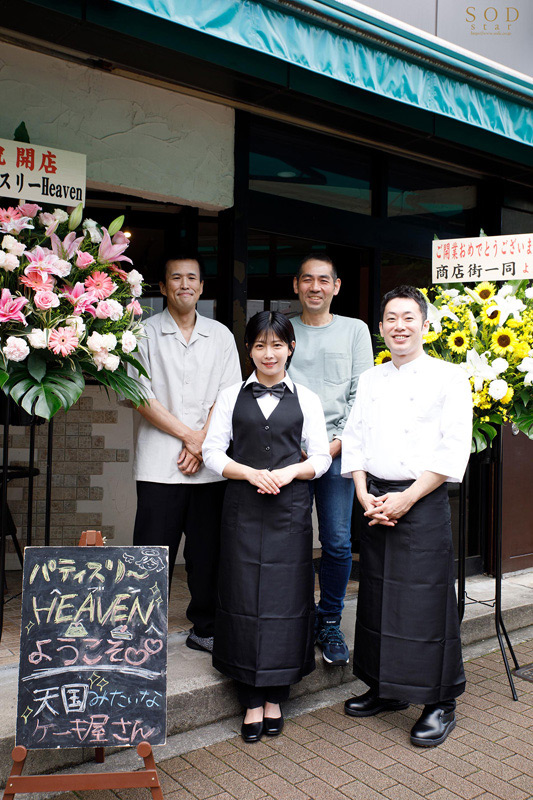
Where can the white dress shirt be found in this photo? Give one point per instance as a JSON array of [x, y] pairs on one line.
[[186, 378], [408, 420], [314, 433]]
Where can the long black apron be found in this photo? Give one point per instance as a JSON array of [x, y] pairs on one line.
[[407, 639], [265, 616]]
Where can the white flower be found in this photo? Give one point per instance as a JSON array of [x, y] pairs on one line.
[[95, 342], [499, 365], [129, 342], [507, 306], [472, 324], [91, 229], [134, 277], [13, 246], [61, 268], [136, 290], [529, 290], [38, 338], [16, 349], [78, 323], [60, 215], [477, 367], [436, 314], [505, 291], [8, 261], [498, 389], [526, 364], [452, 292], [109, 341], [112, 362]]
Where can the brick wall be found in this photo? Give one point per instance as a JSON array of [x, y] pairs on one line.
[[80, 482]]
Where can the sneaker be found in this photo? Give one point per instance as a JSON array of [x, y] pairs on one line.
[[196, 642], [331, 641]]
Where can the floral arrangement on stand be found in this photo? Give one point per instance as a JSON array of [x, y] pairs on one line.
[[488, 331], [67, 309]]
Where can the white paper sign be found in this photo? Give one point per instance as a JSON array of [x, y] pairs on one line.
[[483, 258], [33, 173]]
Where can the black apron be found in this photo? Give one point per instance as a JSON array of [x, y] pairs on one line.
[[407, 638], [265, 617]]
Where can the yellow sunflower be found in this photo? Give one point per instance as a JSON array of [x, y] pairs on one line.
[[383, 357], [458, 342], [490, 315], [486, 290], [503, 341], [508, 396], [431, 336]]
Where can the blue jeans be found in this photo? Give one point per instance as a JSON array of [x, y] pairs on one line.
[[334, 500]]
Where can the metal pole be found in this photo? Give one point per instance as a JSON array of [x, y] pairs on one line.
[[48, 482], [30, 484], [3, 514], [498, 532]]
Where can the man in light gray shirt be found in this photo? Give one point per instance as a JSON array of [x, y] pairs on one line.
[[331, 352], [189, 359]]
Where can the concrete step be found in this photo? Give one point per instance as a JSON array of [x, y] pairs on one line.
[[199, 696]]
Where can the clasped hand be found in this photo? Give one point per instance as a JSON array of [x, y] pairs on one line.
[[271, 481], [190, 458], [386, 509]]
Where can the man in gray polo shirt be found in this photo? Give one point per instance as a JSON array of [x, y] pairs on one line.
[[189, 359], [331, 352]]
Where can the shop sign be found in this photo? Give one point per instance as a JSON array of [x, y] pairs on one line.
[[483, 258], [32, 173]]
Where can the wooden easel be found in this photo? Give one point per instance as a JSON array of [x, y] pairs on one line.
[[143, 778]]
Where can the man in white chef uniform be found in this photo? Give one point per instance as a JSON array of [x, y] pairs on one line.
[[408, 433]]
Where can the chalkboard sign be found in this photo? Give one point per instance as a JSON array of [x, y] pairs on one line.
[[93, 647]]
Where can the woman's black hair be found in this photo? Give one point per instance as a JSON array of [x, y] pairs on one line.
[[260, 325]]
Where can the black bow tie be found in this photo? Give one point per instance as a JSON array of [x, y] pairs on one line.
[[259, 390]]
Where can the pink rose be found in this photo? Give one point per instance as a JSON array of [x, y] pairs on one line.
[[109, 309], [83, 260], [135, 308], [45, 299], [29, 209], [46, 219]]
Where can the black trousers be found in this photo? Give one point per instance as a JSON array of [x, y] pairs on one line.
[[257, 696], [166, 511]]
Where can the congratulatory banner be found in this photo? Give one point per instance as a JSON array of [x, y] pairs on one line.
[[29, 172], [93, 647], [483, 258]]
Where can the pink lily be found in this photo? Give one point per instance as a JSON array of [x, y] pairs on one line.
[[13, 221], [10, 308], [41, 258], [111, 252], [80, 299], [66, 248]]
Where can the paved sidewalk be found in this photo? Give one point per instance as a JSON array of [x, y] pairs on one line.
[[325, 755]]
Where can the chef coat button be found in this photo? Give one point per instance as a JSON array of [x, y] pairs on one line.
[[267, 448], [267, 427]]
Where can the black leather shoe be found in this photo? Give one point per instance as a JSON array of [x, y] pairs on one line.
[[252, 731], [273, 725], [368, 704], [432, 727]]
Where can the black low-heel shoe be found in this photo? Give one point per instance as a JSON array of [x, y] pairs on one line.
[[252, 731], [273, 726]]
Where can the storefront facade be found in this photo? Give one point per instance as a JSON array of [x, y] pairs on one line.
[[206, 129]]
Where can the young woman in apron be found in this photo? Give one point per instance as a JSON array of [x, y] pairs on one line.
[[265, 618]]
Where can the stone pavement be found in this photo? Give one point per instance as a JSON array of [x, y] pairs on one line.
[[324, 755]]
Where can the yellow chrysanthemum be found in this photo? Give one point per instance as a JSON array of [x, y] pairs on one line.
[[508, 396], [458, 342], [521, 350], [486, 290], [513, 323], [503, 341], [431, 336], [490, 315], [481, 399], [383, 357]]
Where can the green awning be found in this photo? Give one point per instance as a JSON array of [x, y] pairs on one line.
[[347, 45]]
